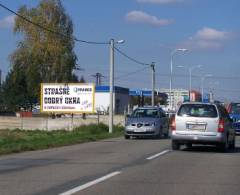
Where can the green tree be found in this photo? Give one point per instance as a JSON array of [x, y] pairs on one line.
[[41, 55], [14, 84]]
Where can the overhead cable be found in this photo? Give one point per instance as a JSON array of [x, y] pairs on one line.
[[130, 73], [130, 58], [49, 30]]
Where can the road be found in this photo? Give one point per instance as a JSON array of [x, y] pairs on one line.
[[119, 166]]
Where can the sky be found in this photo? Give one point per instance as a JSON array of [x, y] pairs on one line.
[[153, 30]]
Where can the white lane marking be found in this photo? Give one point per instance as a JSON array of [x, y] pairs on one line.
[[91, 183], [158, 154]]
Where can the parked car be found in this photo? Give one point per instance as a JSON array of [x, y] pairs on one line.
[[202, 123], [234, 112], [147, 121]]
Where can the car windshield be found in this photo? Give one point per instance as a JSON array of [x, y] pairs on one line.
[[235, 108], [145, 113], [198, 110]]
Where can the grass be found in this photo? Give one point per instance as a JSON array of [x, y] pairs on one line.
[[13, 141]]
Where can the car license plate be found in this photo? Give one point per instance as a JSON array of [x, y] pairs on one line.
[[139, 130], [196, 127]]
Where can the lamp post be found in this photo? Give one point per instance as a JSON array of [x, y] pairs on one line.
[[111, 82], [190, 79], [211, 87], [171, 71], [202, 82]]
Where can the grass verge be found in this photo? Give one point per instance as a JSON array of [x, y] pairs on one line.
[[13, 141]]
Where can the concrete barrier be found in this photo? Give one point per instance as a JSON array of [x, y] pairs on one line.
[[49, 124]]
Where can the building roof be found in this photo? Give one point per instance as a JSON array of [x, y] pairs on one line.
[[116, 89]]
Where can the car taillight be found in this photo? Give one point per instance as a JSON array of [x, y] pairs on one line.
[[229, 107], [173, 124], [221, 126]]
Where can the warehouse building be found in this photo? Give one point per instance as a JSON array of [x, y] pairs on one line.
[[120, 99]]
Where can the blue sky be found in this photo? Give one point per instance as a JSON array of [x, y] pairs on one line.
[[152, 29]]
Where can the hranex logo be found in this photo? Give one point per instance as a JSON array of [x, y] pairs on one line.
[[80, 90]]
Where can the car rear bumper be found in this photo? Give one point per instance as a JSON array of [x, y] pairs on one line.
[[198, 138]]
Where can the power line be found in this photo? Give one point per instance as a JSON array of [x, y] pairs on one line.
[[73, 38], [130, 58], [130, 73], [49, 30], [199, 76]]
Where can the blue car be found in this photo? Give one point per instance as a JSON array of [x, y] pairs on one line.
[[234, 112]]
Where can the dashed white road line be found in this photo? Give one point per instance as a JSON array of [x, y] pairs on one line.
[[101, 179], [158, 154], [89, 184]]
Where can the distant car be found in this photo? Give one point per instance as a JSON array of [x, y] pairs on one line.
[[147, 121], [234, 112], [202, 123], [36, 109]]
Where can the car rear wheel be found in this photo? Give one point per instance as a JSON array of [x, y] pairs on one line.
[[175, 145], [189, 145], [126, 136], [223, 147], [232, 145]]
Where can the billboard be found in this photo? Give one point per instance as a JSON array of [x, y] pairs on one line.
[[67, 97]]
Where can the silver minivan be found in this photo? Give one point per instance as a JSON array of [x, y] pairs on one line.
[[202, 123]]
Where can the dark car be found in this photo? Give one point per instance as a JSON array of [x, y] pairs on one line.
[[234, 112], [147, 121]]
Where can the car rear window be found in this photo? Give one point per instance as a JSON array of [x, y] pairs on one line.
[[197, 110]]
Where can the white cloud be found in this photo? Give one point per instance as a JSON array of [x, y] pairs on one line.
[[7, 21], [160, 1], [212, 34], [144, 18], [208, 38]]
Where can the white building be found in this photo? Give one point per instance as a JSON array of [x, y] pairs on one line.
[[176, 97], [120, 99]]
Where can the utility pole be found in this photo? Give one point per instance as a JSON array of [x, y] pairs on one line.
[[111, 82], [111, 85], [153, 81], [98, 77]]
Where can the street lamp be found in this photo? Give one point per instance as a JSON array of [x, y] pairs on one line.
[[190, 79], [171, 71], [211, 87], [202, 81], [111, 81]]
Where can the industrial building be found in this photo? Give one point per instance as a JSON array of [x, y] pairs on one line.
[[102, 99]]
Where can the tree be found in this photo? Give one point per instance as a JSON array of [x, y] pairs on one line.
[[82, 80], [14, 91], [44, 54]]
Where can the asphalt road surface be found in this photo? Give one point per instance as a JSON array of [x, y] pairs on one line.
[[119, 166]]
